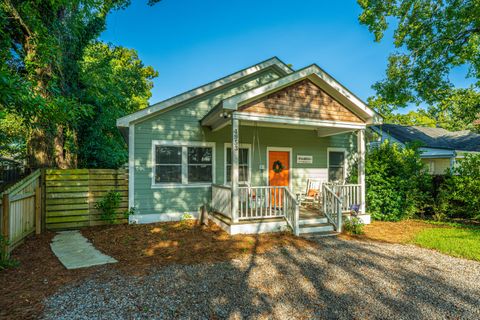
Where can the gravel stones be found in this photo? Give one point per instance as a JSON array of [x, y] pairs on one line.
[[334, 279]]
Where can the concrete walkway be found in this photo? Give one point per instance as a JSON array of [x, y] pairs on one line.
[[75, 251]]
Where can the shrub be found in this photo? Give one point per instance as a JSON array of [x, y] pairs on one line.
[[108, 205], [353, 225], [459, 195], [397, 183]]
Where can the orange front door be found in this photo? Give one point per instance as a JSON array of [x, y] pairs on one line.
[[278, 168], [278, 174]]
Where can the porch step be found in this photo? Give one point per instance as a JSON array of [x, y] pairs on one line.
[[316, 228], [306, 221], [320, 234]]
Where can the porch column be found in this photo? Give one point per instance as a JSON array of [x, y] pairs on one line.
[[235, 156], [361, 167]]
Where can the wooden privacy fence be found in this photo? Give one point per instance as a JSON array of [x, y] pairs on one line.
[[20, 210], [70, 196]]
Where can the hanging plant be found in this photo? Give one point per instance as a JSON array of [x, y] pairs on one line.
[[278, 166]]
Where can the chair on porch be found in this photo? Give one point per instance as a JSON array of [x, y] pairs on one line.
[[311, 194]]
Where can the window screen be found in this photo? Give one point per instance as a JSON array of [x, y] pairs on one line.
[[336, 166]]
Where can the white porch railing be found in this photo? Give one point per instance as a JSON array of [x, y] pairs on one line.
[[261, 202], [258, 203], [332, 207], [349, 193]]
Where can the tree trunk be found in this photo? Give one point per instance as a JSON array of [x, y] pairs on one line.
[[64, 157], [39, 149]]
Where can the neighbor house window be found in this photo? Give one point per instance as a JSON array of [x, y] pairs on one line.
[[336, 166], [243, 164], [182, 163]]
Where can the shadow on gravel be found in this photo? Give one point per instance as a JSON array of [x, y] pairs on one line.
[[340, 279], [331, 279]]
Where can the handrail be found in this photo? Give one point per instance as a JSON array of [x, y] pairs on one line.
[[292, 212], [332, 207], [349, 193]]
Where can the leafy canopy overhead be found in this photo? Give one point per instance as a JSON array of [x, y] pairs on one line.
[[432, 39], [57, 82]]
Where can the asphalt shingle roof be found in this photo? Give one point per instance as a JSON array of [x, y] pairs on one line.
[[434, 137]]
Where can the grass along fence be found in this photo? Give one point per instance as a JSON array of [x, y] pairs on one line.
[[71, 195]]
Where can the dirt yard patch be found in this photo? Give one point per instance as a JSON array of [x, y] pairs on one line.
[[136, 247]]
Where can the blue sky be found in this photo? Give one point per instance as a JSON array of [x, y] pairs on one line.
[[191, 43]]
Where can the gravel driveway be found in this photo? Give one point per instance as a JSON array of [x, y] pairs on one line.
[[337, 280]]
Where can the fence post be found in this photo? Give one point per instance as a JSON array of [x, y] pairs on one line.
[[38, 210], [43, 204], [6, 224]]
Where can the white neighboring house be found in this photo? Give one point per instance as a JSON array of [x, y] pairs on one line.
[[441, 148]]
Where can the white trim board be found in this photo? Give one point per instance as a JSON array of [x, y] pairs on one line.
[[184, 145], [131, 166], [153, 109], [290, 173]]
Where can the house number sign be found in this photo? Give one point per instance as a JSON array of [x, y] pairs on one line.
[[304, 159], [235, 139]]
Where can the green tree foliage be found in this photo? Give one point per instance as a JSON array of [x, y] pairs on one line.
[[432, 38], [413, 118], [459, 195], [45, 59], [115, 83], [396, 181]]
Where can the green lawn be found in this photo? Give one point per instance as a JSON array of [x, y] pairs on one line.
[[463, 242]]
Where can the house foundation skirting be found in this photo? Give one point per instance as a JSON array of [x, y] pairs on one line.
[[159, 217], [247, 227]]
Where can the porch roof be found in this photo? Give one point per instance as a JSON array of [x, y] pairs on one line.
[[219, 116]]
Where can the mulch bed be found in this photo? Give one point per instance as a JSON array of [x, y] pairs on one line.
[[391, 232], [138, 248], [38, 275], [183, 242]]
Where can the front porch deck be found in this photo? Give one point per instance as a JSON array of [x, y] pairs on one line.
[[274, 208]]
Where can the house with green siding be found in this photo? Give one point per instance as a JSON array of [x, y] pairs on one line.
[[265, 149]]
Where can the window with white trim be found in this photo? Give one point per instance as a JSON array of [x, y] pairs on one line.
[[243, 164], [182, 163], [168, 166], [199, 164]]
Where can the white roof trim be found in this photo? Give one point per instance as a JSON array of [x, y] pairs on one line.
[[232, 103], [125, 121], [256, 117]]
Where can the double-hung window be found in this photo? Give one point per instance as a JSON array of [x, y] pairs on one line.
[[243, 163], [336, 165], [178, 163], [200, 164], [168, 164]]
